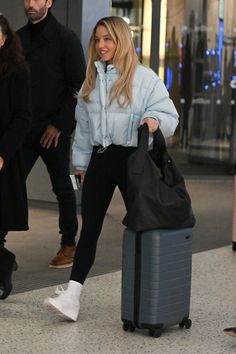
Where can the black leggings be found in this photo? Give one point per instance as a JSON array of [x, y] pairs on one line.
[[106, 170]]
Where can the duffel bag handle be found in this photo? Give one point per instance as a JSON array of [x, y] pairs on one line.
[[159, 144], [159, 147]]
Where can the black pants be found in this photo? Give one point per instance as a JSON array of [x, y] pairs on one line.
[[105, 171], [57, 161], [2, 237]]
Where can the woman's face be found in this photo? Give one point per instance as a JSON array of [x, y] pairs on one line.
[[104, 44], [2, 38]]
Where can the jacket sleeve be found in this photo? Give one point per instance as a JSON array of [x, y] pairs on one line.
[[74, 67], [159, 106], [81, 147], [20, 117]]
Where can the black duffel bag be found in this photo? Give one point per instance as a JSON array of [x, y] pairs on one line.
[[157, 197]]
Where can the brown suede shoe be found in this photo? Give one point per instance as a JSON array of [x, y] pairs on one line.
[[64, 257]]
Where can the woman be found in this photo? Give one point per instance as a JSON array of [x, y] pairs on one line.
[[14, 124], [117, 96]]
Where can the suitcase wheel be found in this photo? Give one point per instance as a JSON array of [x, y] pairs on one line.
[[155, 332], [187, 323], [127, 326]]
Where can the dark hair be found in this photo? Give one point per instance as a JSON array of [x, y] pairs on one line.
[[11, 53]]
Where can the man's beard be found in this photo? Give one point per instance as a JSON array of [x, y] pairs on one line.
[[36, 15]]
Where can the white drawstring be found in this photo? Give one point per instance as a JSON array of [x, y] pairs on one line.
[[101, 150]]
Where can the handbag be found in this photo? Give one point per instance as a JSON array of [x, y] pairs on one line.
[[157, 197]]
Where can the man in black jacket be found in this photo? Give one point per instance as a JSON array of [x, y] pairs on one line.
[[57, 66]]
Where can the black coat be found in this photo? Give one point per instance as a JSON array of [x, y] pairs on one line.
[[57, 66], [15, 117]]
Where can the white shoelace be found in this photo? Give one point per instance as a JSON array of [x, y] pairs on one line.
[[60, 290]]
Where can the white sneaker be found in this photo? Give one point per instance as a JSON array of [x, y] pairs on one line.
[[66, 303]]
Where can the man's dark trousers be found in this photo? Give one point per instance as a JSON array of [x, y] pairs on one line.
[[58, 166]]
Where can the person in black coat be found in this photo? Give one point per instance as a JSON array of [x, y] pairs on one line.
[[15, 114], [57, 65]]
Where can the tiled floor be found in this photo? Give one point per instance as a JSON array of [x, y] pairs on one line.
[[26, 326]]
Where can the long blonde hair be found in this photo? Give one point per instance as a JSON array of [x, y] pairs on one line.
[[125, 60]]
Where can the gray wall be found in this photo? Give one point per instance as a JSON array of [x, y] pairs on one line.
[[80, 16]]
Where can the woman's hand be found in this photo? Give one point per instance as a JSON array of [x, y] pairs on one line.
[[81, 174], [1, 163], [152, 123]]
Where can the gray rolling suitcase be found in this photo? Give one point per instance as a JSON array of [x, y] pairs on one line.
[[156, 279]]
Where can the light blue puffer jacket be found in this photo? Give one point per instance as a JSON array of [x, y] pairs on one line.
[[99, 123]]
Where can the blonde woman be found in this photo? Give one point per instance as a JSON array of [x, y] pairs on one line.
[[118, 95]]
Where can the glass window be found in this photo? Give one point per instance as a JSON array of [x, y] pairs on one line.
[[199, 70]]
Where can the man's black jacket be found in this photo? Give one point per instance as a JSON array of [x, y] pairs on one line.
[[57, 68]]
